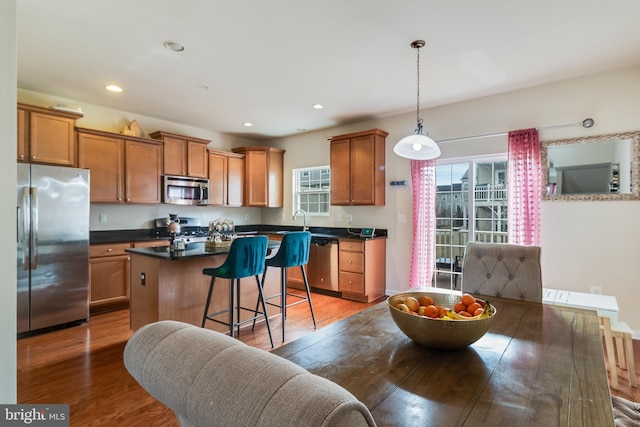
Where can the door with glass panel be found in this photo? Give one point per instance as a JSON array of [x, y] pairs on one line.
[[471, 205]]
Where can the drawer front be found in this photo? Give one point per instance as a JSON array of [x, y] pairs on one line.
[[108, 249], [351, 282], [352, 245], [351, 261], [151, 244]]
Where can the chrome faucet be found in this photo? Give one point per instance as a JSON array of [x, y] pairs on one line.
[[304, 214]]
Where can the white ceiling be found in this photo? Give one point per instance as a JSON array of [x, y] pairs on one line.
[[269, 61]]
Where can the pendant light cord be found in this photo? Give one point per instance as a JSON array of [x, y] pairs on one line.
[[417, 45]]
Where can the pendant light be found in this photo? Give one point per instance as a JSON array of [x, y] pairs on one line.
[[418, 146]]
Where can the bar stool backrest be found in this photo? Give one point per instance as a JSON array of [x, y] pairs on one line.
[[293, 251], [245, 259]]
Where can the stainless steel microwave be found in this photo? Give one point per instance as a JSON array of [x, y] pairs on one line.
[[182, 190]]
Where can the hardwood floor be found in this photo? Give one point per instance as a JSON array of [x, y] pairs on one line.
[[82, 366]]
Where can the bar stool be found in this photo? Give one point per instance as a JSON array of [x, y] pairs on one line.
[[293, 252], [246, 258]]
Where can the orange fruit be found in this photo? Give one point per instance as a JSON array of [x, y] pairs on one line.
[[426, 300], [459, 307], [467, 299], [432, 311], [473, 307]]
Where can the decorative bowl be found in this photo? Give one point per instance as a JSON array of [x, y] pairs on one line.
[[438, 333]]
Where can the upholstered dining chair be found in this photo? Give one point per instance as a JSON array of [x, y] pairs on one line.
[[502, 270]]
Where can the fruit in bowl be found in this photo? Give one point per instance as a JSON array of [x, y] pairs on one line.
[[448, 322]]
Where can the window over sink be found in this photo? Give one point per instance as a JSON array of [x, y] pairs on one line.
[[312, 190]]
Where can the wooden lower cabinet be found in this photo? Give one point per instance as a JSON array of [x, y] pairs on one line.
[[110, 274], [362, 271], [109, 267]]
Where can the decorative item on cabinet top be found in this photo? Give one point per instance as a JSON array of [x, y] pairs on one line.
[[133, 129]]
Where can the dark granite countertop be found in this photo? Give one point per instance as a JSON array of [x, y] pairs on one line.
[[144, 235], [192, 250]]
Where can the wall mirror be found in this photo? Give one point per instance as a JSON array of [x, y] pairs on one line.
[[603, 167]]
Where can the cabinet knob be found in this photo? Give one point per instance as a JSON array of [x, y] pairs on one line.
[[109, 250], [350, 261], [350, 282], [22, 156], [33, 157]]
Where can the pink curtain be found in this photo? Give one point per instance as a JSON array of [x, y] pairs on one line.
[[524, 181], [423, 180]]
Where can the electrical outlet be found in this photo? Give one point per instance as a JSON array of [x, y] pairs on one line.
[[337, 218], [247, 217], [402, 218], [596, 290], [349, 218], [102, 218]]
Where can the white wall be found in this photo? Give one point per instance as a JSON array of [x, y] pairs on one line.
[[8, 78], [584, 243]]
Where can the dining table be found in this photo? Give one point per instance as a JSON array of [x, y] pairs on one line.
[[538, 365]]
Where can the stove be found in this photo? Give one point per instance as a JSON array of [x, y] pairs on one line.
[[190, 230]]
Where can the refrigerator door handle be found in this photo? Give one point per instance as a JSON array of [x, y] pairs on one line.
[[23, 232], [34, 227]]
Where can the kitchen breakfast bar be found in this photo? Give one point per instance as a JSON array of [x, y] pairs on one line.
[[169, 285]]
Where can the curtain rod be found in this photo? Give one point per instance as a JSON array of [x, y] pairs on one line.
[[586, 123]]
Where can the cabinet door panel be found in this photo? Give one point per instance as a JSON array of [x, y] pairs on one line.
[[256, 192], [197, 161], [235, 181], [104, 157], [22, 136], [217, 179], [143, 170], [109, 279], [362, 170], [52, 139], [175, 152], [340, 173]]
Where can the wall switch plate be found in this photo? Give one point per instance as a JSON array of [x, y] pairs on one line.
[[349, 218], [402, 218], [102, 218], [596, 290], [247, 216], [337, 218]]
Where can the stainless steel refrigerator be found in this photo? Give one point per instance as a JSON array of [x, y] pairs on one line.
[[53, 246]]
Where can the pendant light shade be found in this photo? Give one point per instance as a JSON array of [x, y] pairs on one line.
[[417, 146]]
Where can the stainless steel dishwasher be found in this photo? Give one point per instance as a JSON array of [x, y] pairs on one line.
[[322, 269]]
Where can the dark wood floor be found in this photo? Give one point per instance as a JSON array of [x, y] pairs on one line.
[[82, 366]]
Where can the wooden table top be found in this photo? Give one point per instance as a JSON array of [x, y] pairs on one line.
[[538, 365]]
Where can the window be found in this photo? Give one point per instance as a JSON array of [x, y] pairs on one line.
[[471, 205], [311, 187]]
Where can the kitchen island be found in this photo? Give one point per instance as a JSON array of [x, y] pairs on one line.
[[169, 285]]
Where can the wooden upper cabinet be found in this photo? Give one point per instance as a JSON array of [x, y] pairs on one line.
[[104, 157], [143, 171], [263, 176], [124, 169], [226, 178], [357, 162], [184, 155], [46, 136]]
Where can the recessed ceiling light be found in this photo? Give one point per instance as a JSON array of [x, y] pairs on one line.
[[113, 88], [174, 46], [247, 124], [318, 106]]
